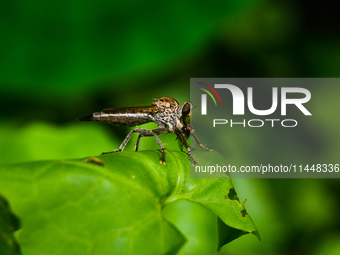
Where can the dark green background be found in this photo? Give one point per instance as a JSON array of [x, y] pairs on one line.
[[62, 60]]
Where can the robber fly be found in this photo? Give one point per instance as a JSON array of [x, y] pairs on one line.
[[166, 112]]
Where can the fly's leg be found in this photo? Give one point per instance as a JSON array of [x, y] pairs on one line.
[[126, 140], [192, 130], [182, 139], [144, 132], [154, 133], [162, 147], [137, 142], [199, 143], [189, 152]]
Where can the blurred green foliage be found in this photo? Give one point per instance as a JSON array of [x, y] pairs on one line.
[[9, 223], [60, 61]]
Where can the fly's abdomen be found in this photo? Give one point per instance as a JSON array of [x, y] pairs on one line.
[[128, 116]]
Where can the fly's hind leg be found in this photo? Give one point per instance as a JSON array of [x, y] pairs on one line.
[[137, 142], [126, 140], [144, 132]]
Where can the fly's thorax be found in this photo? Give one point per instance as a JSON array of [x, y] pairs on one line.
[[168, 113], [166, 102], [168, 118]]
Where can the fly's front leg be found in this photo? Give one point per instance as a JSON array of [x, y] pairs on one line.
[[190, 154], [199, 143], [182, 139], [192, 130]]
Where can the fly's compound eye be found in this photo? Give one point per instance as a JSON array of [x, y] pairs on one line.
[[186, 109]]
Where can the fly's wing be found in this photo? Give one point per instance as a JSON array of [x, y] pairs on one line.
[[123, 116]]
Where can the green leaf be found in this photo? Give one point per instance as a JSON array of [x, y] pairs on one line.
[[113, 204], [8, 224]]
